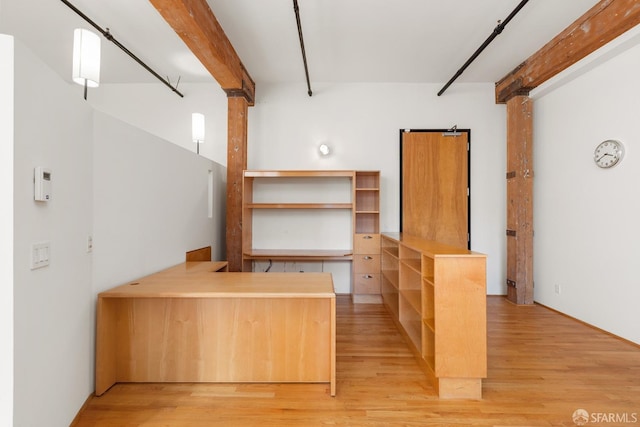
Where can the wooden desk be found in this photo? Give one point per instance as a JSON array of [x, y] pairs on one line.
[[186, 324]]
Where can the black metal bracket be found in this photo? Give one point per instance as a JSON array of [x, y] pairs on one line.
[[304, 54], [496, 31]]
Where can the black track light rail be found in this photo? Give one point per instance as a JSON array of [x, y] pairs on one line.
[[304, 55], [493, 35], [110, 37]]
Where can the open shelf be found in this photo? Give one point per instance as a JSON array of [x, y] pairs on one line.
[[392, 277], [299, 254], [414, 298], [298, 205], [413, 264], [390, 296], [411, 321], [297, 173]]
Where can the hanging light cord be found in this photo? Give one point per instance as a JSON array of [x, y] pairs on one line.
[[110, 37]]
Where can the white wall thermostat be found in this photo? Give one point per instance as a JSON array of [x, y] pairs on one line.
[[42, 184]]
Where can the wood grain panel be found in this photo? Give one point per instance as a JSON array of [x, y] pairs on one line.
[[190, 324], [434, 187], [520, 200], [223, 340], [238, 110], [197, 255], [461, 349]]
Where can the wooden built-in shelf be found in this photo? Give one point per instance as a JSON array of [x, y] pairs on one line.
[[298, 205], [413, 264], [313, 201], [297, 173], [436, 294], [414, 297], [299, 254]]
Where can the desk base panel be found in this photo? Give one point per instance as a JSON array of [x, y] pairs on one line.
[[215, 340]]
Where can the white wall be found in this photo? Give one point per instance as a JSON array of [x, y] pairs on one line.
[[144, 200], [361, 123], [586, 218], [52, 305], [150, 203], [6, 230], [154, 108]]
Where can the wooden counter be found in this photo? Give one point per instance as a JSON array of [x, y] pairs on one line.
[[189, 324]]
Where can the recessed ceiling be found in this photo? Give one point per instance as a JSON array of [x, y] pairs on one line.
[[345, 40]]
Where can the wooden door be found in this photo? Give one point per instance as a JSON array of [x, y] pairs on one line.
[[434, 181]]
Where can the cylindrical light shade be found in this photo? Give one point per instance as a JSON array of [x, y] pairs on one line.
[[86, 58], [197, 127]]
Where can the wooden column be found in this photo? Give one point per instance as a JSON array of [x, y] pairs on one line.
[[602, 23], [520, 200], [237, 111]]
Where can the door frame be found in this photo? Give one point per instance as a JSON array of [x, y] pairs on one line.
[[468, 131]]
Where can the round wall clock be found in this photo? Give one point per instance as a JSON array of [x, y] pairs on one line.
[[608, 153]]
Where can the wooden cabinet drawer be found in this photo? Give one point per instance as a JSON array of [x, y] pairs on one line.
[[366, 243], [366, 263], [366, 283]]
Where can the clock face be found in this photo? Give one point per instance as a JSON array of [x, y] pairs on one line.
[[608, 153]]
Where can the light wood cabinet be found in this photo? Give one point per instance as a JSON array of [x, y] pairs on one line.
[[366, 238], [437, 295], [335, 215]]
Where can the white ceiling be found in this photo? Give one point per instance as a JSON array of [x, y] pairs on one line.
[[345, 40]]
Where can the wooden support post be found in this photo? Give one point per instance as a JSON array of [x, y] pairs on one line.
[[520, 200], [237, 111]]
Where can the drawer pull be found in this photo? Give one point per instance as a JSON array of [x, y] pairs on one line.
[[367, 257], [367, 237], [367, 276]]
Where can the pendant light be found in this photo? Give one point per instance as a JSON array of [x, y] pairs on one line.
[[197, 129], [86, 59]]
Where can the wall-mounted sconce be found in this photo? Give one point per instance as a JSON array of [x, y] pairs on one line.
[[197, 129], [324, 150], [86, 59]]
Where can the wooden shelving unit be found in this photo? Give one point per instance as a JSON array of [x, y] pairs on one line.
[[317, 198], [366, 238], [271, 193], [437, 295]]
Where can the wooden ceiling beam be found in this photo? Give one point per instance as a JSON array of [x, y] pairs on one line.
[[599, 25], [198, 27]]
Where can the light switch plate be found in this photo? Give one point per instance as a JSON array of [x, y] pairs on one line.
[[40, 253]]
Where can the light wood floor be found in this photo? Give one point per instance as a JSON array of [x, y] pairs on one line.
[[542, 367]]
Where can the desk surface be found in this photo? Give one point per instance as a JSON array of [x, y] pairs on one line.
[[200, 280]]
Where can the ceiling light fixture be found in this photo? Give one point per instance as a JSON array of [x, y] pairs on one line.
[[197, 129], [86, 59], [110, 37]]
